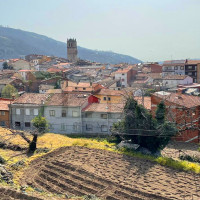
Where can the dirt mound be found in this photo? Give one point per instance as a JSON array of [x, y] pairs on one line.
[[80, 171], [8, 194]]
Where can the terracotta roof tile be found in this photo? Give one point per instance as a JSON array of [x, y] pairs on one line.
[[110, 92], [184, 100], [145, 101], [4, 104], [103, 107]]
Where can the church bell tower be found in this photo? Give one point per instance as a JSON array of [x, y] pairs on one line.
[[72, 52]]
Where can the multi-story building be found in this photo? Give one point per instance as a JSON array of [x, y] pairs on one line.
[[173, 67], [192, 68]]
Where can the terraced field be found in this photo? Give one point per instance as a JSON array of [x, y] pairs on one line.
[[8, 194], [79, 171]]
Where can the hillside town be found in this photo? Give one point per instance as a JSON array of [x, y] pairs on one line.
[[83, 97], [99, 131]]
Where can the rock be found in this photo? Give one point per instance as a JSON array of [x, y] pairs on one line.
[[5, 175], [128, 145]]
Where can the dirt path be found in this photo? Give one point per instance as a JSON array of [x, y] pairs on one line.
[[79, 171]]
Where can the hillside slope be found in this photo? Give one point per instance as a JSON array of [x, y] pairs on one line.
[[16, 43]]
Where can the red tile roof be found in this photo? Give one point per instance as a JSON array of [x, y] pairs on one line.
[[72, 100], [184, 100], [4, 104], [192, 62], [145, 101], [103, 107], [31, 98], [110, 92]]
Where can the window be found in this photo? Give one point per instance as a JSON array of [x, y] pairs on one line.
[[189, 67], [176, 67], [2, 123], [104, 128], [84, 88], [17, 124], [35, 111], [75, 126], [104, 116], [182, 67], [64, 114], [51, 126], [27, 111], [27, 124], [62, 127], [189, 73], [109, 98], [17, 111], [75, 114], [76, 88], [88, 115], [89, 127], [122, 79], [3, 113], [122, 74], [104, 98], [52, 112]]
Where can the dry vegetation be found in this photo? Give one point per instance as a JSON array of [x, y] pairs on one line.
[[98, 161]]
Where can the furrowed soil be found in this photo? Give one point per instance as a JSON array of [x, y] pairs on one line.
[[80, 171]]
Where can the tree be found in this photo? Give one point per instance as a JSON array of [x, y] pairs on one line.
[[41, 125], [141, 128], [9, 91], [6, 66]]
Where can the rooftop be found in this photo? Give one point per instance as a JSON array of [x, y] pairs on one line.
[[4, 104], [184, 100], [175, 77]]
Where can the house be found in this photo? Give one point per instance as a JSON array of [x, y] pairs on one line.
[[64, 112], [5, 112], [173, 67], [25, 108], [125, 75], [20, 64], [172, 81], [183, 110], [43, 88], [192, 69], [98, 118], [69, 86], [111, 96]]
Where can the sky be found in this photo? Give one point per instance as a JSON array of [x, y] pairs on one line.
[[150, 30]]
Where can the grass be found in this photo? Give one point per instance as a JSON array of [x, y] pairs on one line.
[[55, 141]]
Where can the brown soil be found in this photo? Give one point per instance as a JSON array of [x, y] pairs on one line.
[[9, 194], [79, 171]]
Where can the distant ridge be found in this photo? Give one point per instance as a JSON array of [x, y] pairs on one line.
[[15, 43]]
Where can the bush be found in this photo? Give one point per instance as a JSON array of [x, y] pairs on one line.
[[190, 158]]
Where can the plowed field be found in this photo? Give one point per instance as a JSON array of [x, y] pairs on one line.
[[79, 171], [8, 194]]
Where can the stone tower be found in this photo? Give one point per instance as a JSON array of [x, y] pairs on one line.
[[72, 52]]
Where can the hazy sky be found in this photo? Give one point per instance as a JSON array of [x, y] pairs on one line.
[[150, 30]]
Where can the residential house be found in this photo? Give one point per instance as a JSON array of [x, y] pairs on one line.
[[69, 86], [192, 68], [125, 75], [64, 112], [172, 81], [4, 112], [43, 88], [173, 67], [111, 96], [183, 110], [98, 118], [20, 64], [25, 108]]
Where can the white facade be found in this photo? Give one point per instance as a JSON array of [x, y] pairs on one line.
[[173, 70], [123, 78], [172, 83]]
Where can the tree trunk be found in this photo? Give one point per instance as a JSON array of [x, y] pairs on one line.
[[33, 144]]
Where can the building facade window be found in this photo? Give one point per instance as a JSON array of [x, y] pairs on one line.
[[2, 123], [104, 98], [27, 124], [89, 127], [109, 98], [17, 124], [18, 112], [176, 67], [52, 112], [104, 128], [64, 113], [84, 88], [88, 115], [75, 126], [182, 67], [104, 116], [35, 111], [63, 127], [2, 112], [27, 111], [75, 114]]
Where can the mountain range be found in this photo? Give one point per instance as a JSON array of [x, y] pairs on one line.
[[15, 43]]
